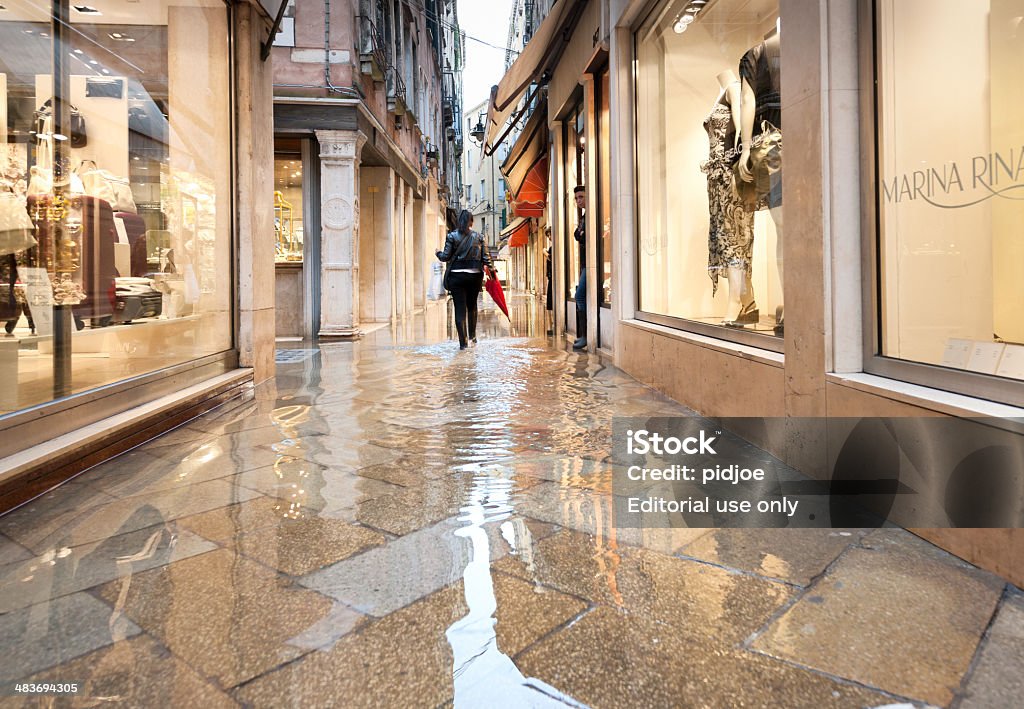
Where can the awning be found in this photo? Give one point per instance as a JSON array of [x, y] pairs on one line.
[[518, 232], [543, 50], [526, 168]]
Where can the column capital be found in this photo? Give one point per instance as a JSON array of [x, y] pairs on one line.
[[340, 144]]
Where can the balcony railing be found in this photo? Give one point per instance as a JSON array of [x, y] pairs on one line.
[[373, 56], [397, 97]]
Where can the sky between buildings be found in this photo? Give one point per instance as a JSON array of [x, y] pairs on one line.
[[485, 20]]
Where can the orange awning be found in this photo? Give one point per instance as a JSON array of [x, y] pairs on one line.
[[532, 198], [526, 168], [518, 232]]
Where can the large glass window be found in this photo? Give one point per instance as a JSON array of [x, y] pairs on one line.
[[951, 183], [289, 226], [115, 192], [604, 196], [574, 166], [710, 221]]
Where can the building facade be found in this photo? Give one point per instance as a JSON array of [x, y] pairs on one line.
[[869, 269], [135, 194], [367, 119], [483, 184]]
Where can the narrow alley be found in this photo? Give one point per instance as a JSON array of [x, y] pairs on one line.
[[396, 523]]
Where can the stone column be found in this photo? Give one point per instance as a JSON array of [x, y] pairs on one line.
[[339, 232]]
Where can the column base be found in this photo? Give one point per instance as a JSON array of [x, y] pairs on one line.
[[340, 333]]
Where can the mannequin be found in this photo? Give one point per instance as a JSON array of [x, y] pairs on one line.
[[731, 228], [760, 101]]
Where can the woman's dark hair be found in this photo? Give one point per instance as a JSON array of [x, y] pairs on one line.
[[465, 219]]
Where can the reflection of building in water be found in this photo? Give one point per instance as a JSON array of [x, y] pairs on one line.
[[594, 511], [289, 467]]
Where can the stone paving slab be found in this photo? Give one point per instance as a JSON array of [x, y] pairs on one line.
[[56, 631], [226, 616], [899, 615], [133, 673], [610, 658], [998, 678], [795, 556], [697, 600], [60, 572], [74, 527]]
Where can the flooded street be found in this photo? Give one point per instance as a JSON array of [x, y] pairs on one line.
[[396, 523]]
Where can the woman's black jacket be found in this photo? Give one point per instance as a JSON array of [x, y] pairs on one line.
[[473, 255]]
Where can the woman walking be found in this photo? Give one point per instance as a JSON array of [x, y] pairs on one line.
[[467, 258]]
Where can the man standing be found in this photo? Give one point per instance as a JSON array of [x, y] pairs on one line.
[[581, 288]]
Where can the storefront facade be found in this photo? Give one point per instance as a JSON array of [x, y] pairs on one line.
[[871, 266], [129, 267]]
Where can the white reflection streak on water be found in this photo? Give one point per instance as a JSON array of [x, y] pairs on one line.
[[485, 676]]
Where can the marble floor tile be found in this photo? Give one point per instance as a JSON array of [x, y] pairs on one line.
[[898, 598], [39, 637], [229, 618]]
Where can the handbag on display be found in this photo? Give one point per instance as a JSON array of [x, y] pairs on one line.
[[105, 185], [41, 182], [765, 161], [16, 226], [79, 138]]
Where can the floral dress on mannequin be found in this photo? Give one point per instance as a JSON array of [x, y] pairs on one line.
[[731, 231]]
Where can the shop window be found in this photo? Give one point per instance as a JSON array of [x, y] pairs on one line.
[[574, 169], [710, 234], [604, 197], [951, 190], [115, 193], [289, 228]]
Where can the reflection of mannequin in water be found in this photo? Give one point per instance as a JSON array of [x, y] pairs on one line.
[[760, 76], [731, 227]]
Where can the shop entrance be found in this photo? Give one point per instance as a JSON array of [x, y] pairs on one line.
[[296, 238]]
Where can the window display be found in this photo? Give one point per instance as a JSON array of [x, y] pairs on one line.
[[710, 179], [604, 197], [115, 222], [288, 221], [951, 184]]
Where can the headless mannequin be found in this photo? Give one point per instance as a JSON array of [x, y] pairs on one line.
[[749, 112], [741, 289]]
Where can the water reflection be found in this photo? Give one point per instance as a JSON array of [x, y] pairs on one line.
[[483, 674]]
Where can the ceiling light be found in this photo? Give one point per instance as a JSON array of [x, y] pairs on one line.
[[679, 27], [87, 10], [79, 51]]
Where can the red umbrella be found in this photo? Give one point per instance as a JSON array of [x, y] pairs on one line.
[[493, 286]]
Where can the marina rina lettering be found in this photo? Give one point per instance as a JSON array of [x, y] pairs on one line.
[[996, 175]]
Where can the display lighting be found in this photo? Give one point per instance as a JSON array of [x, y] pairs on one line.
[[685, 18]]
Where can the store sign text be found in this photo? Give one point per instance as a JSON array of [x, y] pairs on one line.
[[998, 174]]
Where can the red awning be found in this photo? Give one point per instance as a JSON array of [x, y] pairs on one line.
[[518, 232], [532, 198], [526, 168]]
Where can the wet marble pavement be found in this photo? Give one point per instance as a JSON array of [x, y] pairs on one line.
[[395, 523]]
